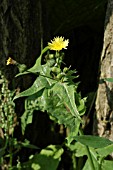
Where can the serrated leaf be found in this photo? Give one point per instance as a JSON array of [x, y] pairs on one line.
[[37, 86], [58, 111], [80, 103], [73, 129], [52, 100], [30, 105], [93, 141], [40, 83], [81, 108], [43, 101], [67, 95]]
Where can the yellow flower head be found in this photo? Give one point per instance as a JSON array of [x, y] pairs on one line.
[[58, 44], [10, 61]]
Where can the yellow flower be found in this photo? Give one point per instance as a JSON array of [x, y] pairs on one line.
[[10, 61], [58, 44]]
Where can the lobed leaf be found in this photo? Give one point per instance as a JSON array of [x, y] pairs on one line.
[[66, 93], [40, 83]]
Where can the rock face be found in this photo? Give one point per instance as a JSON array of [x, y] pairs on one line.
[[20, 30], [104, 101]]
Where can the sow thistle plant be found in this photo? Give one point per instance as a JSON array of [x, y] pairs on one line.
[[55, 92]]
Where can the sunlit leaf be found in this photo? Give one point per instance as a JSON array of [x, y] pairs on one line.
[[105, 151], [107, 165], [40, 83], [47, 159], [93, 141], [67, 94], [78, 149], [36, 67]]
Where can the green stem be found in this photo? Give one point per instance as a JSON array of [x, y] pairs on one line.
[[88, 153], [90, 158], [74, 162], [57, 54]]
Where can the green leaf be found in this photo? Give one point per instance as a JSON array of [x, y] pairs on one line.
[[73, 129], [103, 152], [37, 66], [59, 102], [27, 144], [78, 149], [26, 119], [48, 159], [108, 79], [67, 94], [80, 104], [95, 159], [93, 141], [58, 99], [37, 86], [107, 165], [52, 103], [88, 167], [23, 73], [40, 83], [43, 81], [31, 104]]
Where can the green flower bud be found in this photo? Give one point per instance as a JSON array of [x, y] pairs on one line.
[[60, 75], [51, 56], [21, 67], [56, 70], [65, 69]]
